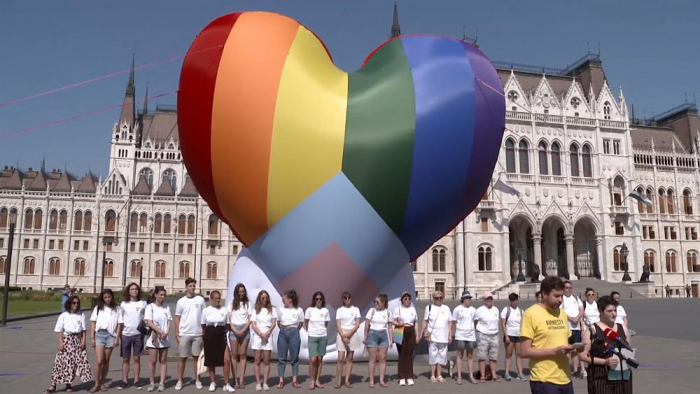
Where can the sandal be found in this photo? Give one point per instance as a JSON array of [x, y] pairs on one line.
[[337, 386], [50, 390], [383, 384], [482, 380], [459, 382], [296, 384], [348, 385], [94, 389], [371, 385], [280, 385], [319, 385], [69, 388], [103, 387], [472, 380], [312, 385], [497, 378]]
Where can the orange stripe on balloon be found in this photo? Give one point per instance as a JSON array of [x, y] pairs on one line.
[[242, 117]]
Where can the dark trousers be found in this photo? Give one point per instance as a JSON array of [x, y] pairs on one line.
[[551, 388], [406, 353]]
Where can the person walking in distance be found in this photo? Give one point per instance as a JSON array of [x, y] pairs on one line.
[[215, 329], [544, 338], [188, 331], [573, 307], [687, 291], [239, 337], [511, 317], [465, 335], [316, 321], [347, 341], [66, 293], [436, 327], [106, 328], [621, 317], [404, 320], [133, 309], [486, 322], [290, 319], [158, 319]]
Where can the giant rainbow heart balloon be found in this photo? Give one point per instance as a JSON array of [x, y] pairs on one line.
[[325, 174]]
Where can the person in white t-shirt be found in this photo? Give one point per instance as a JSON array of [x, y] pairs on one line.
[[347, 319], [511, 316], [263, 320], [404, 320], [290, 319], [105, 331], [465, 335], [71, 358], [133, 309], [158, 318], [215, 325], [378, 337], [621, 313], [188, 331], [573, 307], [437, 324], [239, 337], [316, 319], [591, 314], [487, 322]]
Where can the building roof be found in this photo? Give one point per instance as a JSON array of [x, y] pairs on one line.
[[160, 127], [63, 184], [87, 184], [11, 179], [165, 189], [189, 190], [658, 138], [35, 181], [142, 188]]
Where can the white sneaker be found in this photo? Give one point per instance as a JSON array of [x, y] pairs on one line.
[[402, 382], [198, 385], [409, 382], [212, 387], [258, 387], [229, 389], [266, 387], [178, 386]]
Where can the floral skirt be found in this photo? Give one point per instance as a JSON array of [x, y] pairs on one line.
[[71, 362]]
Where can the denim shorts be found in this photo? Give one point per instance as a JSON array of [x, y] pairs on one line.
[[233, 337], [378, 338], [104, 339], [465, 345]]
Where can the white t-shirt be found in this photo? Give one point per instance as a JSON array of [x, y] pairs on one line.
[[160, 316], [317, 318], [438, 320], [513, 323], [464, 318], [621, 314], [409, 316], [263, 319], [570, 306], [488, 320], [591, 313], [107, 319], [290, 316], [132, 315], [378, 320], [347, 316], [215, 316], [70, 323], [240, 316], [190, 312]]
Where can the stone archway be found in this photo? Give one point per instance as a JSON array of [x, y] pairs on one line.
[[521, 246], [585, 249], [554, 256]]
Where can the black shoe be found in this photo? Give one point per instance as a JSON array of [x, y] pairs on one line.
[[121, 386]]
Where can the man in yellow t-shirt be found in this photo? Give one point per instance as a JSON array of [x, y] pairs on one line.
[[545, 341]]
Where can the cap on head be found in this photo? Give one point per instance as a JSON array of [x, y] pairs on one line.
[[487, 294], [466, 294]]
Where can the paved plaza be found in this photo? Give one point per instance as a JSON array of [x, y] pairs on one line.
[[668, 345]]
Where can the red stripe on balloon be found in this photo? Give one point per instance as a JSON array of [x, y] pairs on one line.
[[195, 99]]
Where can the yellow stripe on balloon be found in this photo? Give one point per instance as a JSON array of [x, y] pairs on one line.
[[309, 126]]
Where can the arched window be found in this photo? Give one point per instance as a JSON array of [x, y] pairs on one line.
[[617, 260], [147, 175], [641, 207], [191, 225], [523, 159], [687, 202], [650, 260], [650, 197], [439, 255], [184, 270], [53, 220], [662, 201], [587, 166], [618, 191], [55, 266], [28, 219], [573, 157], [38, 219], [3, 259], [63, 221], [134, 222], [109, 268], [485, 258], [78, 221], [671, 261], [29, 265], [607, 110], [110, 220], [160, 269], [692, 257], [212, 270], [669, 202], [170, 177], [213, 225], [3, 217], [143, 223], [79, 267], [87, 221], [135, 269], [167, 224], [181, 224], [158, 224], [542, 154], [510, 156]]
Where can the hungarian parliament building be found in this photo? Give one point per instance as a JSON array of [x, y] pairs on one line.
[[559, 200]]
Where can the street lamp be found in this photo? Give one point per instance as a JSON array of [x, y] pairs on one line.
[[625, 252], [8, 265]]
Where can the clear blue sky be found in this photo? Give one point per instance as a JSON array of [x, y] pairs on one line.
[[649, 47]]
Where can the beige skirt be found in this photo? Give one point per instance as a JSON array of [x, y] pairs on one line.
[[353, 346]]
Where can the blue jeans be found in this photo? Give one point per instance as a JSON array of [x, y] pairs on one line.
[[288, 345]]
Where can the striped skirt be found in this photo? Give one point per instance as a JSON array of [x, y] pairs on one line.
[[71, 362]]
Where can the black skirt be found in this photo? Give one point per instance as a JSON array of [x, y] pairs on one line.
[[214, 346]]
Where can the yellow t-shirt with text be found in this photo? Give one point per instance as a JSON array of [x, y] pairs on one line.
[[547, 331]]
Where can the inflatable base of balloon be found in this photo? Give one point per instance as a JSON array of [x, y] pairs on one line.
[[247, 272]]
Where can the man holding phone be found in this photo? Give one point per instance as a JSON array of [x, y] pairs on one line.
[[545, 341]]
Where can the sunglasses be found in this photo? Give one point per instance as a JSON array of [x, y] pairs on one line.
[[75, 303], [347, 297], [407, 298], [318, 299], [590, 294], [376, 301], [438, 298]]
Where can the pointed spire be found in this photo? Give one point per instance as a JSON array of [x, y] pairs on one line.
[[145, 103], [128, 114], [130, 88], [395, 27]]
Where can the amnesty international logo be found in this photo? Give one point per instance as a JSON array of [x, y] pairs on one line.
[[555, 324]]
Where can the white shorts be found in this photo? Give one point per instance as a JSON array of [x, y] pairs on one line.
[[438, 353], [257, 344]]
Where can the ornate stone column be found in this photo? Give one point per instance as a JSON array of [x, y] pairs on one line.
[[537, 244], [570, 266], [459, 257], [600, 258]]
